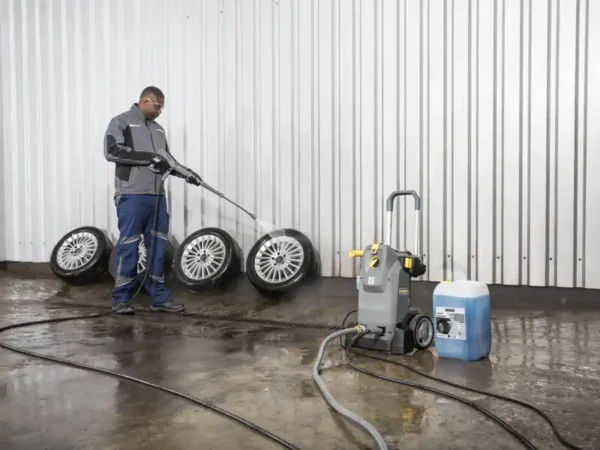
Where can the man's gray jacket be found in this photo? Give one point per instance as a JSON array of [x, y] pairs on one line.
[[131, 142]]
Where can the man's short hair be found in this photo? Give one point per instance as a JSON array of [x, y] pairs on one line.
[[152, 90]]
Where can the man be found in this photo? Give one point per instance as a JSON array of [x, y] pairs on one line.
[[138, 146]]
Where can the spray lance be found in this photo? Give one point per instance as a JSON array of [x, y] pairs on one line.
[[166, 162], [221, 195]]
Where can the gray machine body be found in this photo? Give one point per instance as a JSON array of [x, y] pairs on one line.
[[384, 300]]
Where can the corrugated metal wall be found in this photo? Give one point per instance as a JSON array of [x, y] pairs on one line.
[[310, 112]]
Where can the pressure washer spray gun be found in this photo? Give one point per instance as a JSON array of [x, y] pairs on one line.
[[166, 164]]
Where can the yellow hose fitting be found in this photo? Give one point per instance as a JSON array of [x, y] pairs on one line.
[[360, 328], [355, 253]]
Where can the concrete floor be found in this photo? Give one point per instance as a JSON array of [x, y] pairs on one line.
[[546, 350]]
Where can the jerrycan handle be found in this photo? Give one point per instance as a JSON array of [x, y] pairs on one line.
[[389, 209]]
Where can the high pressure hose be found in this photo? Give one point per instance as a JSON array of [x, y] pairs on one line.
[[359, 330], [153, 233], [195, 400], [522, 403], [526, 443], [463, 400]]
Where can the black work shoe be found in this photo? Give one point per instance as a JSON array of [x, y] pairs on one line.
[[123, 308], [168, 307]]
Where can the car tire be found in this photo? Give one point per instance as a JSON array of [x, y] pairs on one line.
[[206, 258], [280, 261], [81, 256]]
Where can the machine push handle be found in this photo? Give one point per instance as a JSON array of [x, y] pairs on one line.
[[389, 208], [389, 203]]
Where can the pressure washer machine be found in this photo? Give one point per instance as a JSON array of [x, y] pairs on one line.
[[384, 291]]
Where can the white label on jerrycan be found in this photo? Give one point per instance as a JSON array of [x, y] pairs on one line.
[[451, 323]]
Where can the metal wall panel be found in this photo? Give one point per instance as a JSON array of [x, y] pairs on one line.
[[309, 112]]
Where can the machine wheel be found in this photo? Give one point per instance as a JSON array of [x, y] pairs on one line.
[[81, 256], [142, 258], [280, 261], [206, 258], [422, 329]]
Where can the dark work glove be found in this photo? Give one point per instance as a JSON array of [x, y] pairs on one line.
[[159, 165], [194, 178]]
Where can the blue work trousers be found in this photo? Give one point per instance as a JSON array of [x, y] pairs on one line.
[[136, 214]]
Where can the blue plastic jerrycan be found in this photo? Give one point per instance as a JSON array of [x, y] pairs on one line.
[[463, 325]]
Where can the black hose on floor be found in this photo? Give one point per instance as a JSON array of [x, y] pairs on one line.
[[258, 320], [265, 432], [225, 318], [526, 443], [522, 403], [195, 400]]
